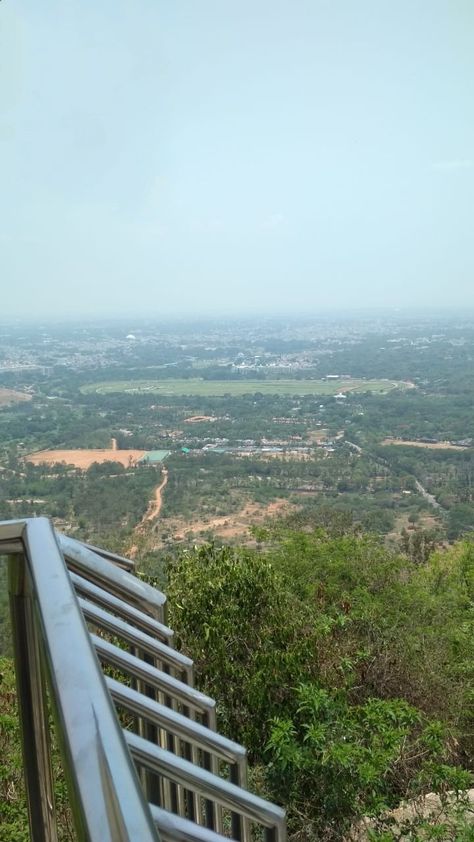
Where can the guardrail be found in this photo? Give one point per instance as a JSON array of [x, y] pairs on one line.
[[139, 745]]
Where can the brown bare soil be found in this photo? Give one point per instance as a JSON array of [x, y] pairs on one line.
[[286, 455], [83, 459], [425, 521], [231, 525], [318, 436], [196, 419], [439, 445], [8, 396]]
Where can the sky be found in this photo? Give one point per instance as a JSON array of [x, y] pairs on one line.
[[208, 157]]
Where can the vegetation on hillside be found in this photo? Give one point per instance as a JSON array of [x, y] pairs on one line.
[[347, 671]]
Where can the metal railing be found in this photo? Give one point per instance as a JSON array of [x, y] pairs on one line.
[[139, 745]]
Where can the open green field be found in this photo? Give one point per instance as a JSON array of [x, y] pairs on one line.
[[216, 388]]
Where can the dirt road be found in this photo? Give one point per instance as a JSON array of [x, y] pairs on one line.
[[155, 504], [428, 497]]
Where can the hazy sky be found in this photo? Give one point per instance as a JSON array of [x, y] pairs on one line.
[[207, 156]]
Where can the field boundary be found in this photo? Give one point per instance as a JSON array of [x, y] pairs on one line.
[[84, 458], [236, 388], [427, 445], [11, 396]]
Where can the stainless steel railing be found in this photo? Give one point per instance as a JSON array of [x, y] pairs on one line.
[[139, 744]]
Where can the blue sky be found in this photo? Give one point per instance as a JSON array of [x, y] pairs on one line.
[[248, 156]]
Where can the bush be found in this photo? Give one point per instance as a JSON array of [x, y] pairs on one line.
[[334, 762], [346, 670], [251, 640]]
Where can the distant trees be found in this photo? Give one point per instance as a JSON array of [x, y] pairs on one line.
[[106, 502], [418, 544], [460, 520]]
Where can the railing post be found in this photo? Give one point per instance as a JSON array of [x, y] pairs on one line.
[[32, 703]]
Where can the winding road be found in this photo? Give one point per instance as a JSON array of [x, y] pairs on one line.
[[154, 507]]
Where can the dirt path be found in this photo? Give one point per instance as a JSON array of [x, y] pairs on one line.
[[154, 507]]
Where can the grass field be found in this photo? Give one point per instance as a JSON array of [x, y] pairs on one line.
[[216, 388]]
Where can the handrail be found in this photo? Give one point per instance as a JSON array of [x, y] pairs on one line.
[[223, 792], [177, 724], [180, 692], [52, 647], [123, 609], [108, 622], [118, 560], [176, 829], [119, 582], [63, 592]]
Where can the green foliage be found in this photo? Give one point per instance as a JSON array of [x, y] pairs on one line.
[[250, 640], [345, 668], [13, 809], [334, 762], [418, 544], [408, 629], [461, 520], [105, 502], [5, 631]]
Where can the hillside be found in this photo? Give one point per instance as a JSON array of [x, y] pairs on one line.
[[345, 669]]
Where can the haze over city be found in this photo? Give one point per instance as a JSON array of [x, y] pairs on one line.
[[240, 157]]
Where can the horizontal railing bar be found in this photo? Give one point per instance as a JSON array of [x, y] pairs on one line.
[[11, 533], [13, 547], [176, 829], [124, 609], [228, 795], [137, 638], [107, 799], [154, 677], [119, 582], [119, 560], [175, 723]]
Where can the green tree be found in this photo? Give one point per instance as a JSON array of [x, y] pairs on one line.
[[251, 640]]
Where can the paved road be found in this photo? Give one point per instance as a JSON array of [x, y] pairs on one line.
[[428, 497]]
